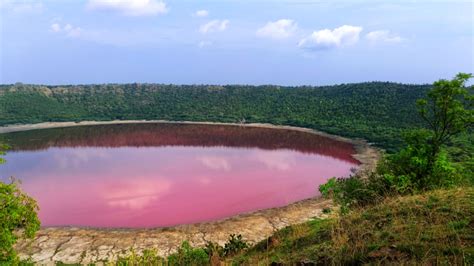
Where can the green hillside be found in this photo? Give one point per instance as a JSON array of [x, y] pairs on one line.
[[376, 111]]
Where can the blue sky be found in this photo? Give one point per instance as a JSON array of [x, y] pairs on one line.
[[285, 42]]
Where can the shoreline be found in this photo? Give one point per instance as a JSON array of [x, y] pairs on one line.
[[47, 125], [89, 244]]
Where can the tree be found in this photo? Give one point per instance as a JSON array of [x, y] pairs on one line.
[[447, 111], [18, 217], [422, 164]]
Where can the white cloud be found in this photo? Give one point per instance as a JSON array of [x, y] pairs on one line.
[[68, 29], [113, 37], [383, 36], [213, 26], [55, 27], [201, 13], [279, 29], [326, 38], [130, 7]]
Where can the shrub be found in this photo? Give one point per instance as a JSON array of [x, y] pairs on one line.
[[18, 218], [3, 148], [188, 255], [234, 245], [355, 191], [405, 172], [214, 250], [148, 257], [411, 169]]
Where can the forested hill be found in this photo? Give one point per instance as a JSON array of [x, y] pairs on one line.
[[376, 111]]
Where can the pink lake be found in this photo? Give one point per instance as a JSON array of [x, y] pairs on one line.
[[153, 175]]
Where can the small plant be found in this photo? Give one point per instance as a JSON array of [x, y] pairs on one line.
[[3, 148], [148, 257], [327, 210], [188, 255], [352, 191], [234, 245], [213, 249], [327, 189]]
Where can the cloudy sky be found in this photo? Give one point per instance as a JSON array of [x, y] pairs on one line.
[[286, 42]]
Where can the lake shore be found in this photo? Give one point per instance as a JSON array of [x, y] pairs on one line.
[[46, 125], [88, 245]]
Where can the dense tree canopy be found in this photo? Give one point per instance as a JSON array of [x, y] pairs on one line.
[[377, 111]]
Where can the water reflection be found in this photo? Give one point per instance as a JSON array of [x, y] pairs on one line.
[[157, 135], [161, 175]]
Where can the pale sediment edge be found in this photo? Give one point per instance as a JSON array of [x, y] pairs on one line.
[[87, 245]]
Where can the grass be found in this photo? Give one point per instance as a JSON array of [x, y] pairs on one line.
[[435, 227]]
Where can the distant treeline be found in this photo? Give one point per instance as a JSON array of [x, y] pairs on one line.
[[376, 111]]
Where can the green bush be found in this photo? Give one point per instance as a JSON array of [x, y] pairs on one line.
[[18, 217], [148, 257], [355, 191], [395, 174], [410, 168], [188, 255], [214, 250], [3, 148], [234, 245], [18, 214]]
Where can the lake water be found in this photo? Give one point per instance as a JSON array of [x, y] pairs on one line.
[[147, 175]]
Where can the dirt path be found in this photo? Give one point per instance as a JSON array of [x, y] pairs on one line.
[[86, 245]]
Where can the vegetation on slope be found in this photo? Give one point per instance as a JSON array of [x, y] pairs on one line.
[[376, 111], [435, 227]]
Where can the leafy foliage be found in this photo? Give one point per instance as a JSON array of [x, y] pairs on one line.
[[447, 112], [356, 190], [412, 169], [234, 245], [18, 214], [18, 217], [187, 255], [148, 257], [3, 148], [376, 111]]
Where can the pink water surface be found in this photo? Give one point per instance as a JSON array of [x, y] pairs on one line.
[[83, 182]]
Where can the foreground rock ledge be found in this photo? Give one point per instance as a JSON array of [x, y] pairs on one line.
[[83, 245], [92, 245]]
